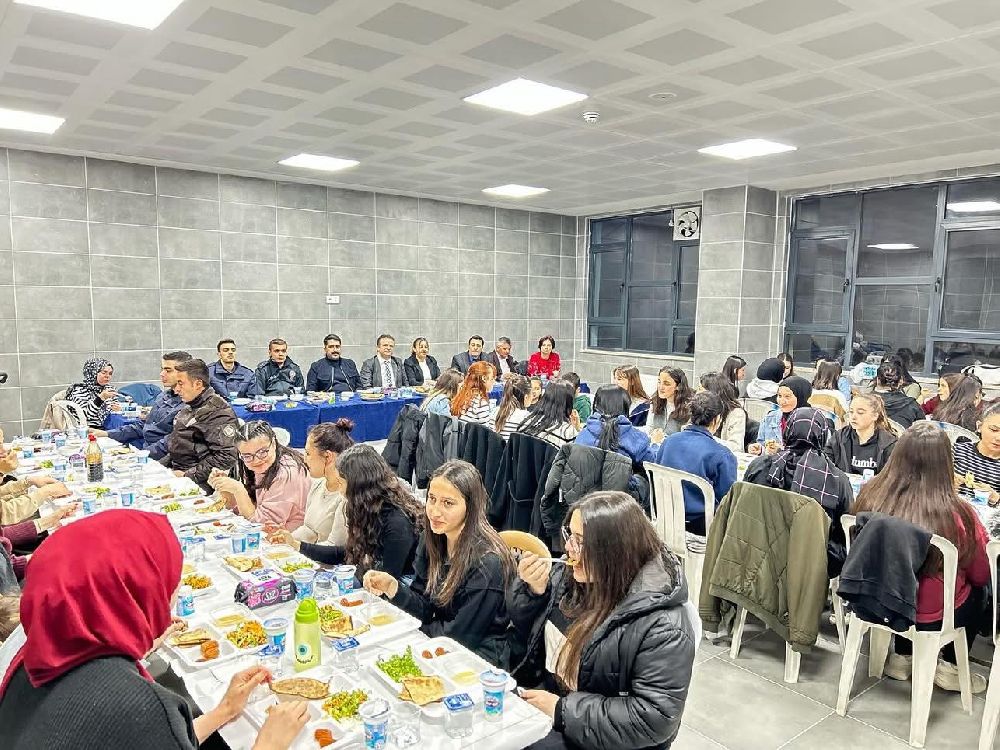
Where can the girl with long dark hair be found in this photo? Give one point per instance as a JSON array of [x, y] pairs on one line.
[[272, 480], [462, 567], [438, 401], [826, 394], [788, 363], [551, 418], [733, 429], [611, 630], [945, 384], [917, 485], [511, 410], [381, 516], [981, 460], [609, 427], [889, 385], [734, 369], [668, 409], [964, 404]]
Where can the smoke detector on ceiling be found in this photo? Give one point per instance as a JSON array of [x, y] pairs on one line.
[[591, 117], [662, 96]]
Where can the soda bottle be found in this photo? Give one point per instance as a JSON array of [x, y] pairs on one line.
[[95, 460]]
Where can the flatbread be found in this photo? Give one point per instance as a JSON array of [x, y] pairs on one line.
[[422, 690], [191, 638], [337, 628], [244, 564], [304, 687]]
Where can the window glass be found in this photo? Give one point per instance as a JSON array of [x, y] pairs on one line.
[[897, 232], [652, 249], [606, 337], [973, 200], [809, 347], [684, 339], [826, 211], [687, 286], [889, 318], [650, 313], [952, 356], [972, 281], [607, 231], [607, 285], [819, 281]]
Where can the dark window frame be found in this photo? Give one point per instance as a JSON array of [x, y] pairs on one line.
[[677, 247], [853, 232]]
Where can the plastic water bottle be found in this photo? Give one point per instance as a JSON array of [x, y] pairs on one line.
[[307, 636]]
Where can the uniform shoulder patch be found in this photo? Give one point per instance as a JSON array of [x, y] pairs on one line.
[[229, 431]]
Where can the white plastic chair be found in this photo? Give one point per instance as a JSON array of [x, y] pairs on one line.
[[283, 436], [954, 432], [991, 714], [896, 427], [926, 645], [74, 412], [757, 408], [667, 504]]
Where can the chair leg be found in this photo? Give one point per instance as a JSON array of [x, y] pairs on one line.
[[849, 664], [962, 662], [741, 621], [693, 567], [878, 651], [838, 614], [925, 656], [991, 714], [793, 660]]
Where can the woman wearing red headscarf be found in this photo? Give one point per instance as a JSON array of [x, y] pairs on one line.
[[97, 600]]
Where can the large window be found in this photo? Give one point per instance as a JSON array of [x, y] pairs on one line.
[[913, 270], [643, 286]]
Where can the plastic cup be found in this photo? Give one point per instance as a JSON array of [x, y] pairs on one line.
[[375, 718], [253, 540], [303, 583], [239, 542], [345, 654], [141, 457], [345, 578], [81, 432], [233, 395], [59, 439], [404, 728], [458, 715], [276, 629], [323, 585], [494, 684], [28, 450], [982, 496], [855, 485], [196, 549], [46, 437]]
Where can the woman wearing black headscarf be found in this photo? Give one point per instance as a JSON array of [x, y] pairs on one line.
[[94, 393], [765, 385], [802, 467], [793, 393]]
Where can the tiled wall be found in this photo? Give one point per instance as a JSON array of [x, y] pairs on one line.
[[129, 260]]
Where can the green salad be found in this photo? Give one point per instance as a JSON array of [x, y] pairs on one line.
[[400, 666]]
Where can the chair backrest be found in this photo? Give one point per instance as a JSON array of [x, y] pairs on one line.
[[143, 394], [283, 436], [896, 427], [61, 414], [954, 432], [666, 486], [992, 553], [949, 552], [756, 408], [522, 541]]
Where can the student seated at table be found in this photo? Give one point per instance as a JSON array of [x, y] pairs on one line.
[[472, 402], [333, 373], [802, 467], [945, 384], [152, 432], [534, 391], [765, 386], [964, 404], [793, 393], [420, 366], [826, 396], [917, 485], [462, 567], [94, 394], [278, 375], [581, 403], [89, 620], [695, 451], [510, 411], [325, 521], [613, 635], [901, 359], [438, 401], [29, 534], [228, 376], [610, 429], [734, 369], [20, 499], [464, 360], [787, 365], [668, 410], [982, 459], [272, 481], [383, 370], [546, 360], [383, 519], [551, 419], [733, 430], [627, 377], [867, 440], [898, 406]]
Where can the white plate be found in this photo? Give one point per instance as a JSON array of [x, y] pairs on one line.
[[242, 401], [192, 656], [256, 712], [250, 649], [432, 711]]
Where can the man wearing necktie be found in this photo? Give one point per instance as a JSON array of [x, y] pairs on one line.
[[383, 370]]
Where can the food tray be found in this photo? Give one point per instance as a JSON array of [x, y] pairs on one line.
[[401, 625], [256, 712], [432, 711], [209, 590], [249, 649], [295, 559], [279, 552], [191, 656], [215, 616]]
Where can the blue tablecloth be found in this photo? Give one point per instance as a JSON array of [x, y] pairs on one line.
[[372, 419], [295, 416]]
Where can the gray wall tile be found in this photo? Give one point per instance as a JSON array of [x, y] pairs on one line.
[[511, 241], [307, 251], [396, 206], [302, 223], [350, 227], [52, 169], [437, 235], [122, 239], [476, 261], [55, 335], [512, 218], [48, 201], [7, 307], [544, 244], [34, 302], [252, 248], [180, 304], [341, 200], [251, 335], [244, 304], [187, 213], [38, 269], [117, 175], [472, 215], [302, 278], [294, 195], [352, 280], [540, 222], [396, 231], [53, 369], [351, 307], [125, 335], [252, 276], [352, 254], [301, 306], [189, 244], [109, 271], [247, 190], [137, 304], [187, 184], [245, 217], [9, 364], [477, 238], [49, 236], [190, 274], [437, 211], [195, 333], [122, 208]]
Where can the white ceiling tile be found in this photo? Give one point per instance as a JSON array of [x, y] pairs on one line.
[[722, 110], [511, 51], [204, 58], [679, 47], [127, 119], [142, 101], [349, 115], [302, 6], [749, 70], [424, 129], [495, 4], [595, 75], [447, 79], [853, 106], [779, 16], [61, 27], [595, 19], [236, 27], [807, 90], [956, 86], [206, 130], [234, 117], [312, 130], [353, 55], [853, 42], [273, 141], [60, 62], [393, 99], [155, 79], [924, 62], [305, 80], [968, 14], [265, 100], [54, 86], [403, 21]]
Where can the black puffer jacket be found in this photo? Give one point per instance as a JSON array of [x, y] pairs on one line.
[[577, 470], [481, 447], [516, 494], [400, 450], [636, 669], [901, 408], [437, 443]]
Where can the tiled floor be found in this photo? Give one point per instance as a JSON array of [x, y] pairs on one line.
[[745, 705]]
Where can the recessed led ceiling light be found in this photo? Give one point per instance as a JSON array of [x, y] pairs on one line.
[[746, 149], [515, 191], [894, 246], [525, 97], [972, 207], [13, 119], [146, 14], [317, 161]]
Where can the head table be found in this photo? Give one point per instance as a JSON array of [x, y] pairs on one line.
[[193, 517]]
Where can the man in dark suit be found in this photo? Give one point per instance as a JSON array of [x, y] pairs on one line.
[[333, 372], [383, 370], [463, 360], [500, 358]]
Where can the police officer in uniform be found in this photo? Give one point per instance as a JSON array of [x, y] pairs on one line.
[[204, 434]]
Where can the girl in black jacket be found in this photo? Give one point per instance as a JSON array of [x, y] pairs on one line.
[[867, 440], [462, 568], [614, 628]]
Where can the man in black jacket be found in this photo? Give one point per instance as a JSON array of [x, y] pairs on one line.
[[501, 359], [278, 375], [333, 372], [463, 360]]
